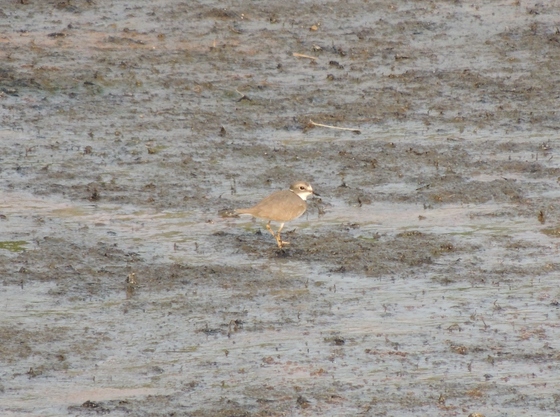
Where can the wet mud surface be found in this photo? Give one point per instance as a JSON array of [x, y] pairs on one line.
[[423, 281]]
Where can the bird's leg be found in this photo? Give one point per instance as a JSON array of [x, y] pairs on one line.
[[270, 230], [277, 235], [279, 240]]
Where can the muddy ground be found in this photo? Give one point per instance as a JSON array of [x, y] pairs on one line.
[[423, 281]]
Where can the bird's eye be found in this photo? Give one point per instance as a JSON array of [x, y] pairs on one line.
[[301, 187]]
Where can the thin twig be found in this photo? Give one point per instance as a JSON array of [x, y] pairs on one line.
[[243, 96], [358, 131], [303, 56]]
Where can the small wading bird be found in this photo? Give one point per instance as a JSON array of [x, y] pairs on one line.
[[281, 206]]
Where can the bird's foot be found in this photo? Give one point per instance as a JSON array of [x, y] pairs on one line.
[[280, 242]]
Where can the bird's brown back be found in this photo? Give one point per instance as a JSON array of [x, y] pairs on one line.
[[280, 206]]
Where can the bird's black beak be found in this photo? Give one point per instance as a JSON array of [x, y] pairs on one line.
[[318, 195]]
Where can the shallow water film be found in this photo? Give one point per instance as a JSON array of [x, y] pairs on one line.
[[422, 281]]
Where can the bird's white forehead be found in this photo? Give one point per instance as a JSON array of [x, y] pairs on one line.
[[296, 188]]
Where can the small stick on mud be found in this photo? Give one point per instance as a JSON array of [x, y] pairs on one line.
[[357, 131], [303, 56], [243, 96]]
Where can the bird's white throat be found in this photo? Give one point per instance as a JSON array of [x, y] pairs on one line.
[[304, 194]]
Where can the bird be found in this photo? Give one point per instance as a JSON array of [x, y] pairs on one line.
[[281, 206]]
